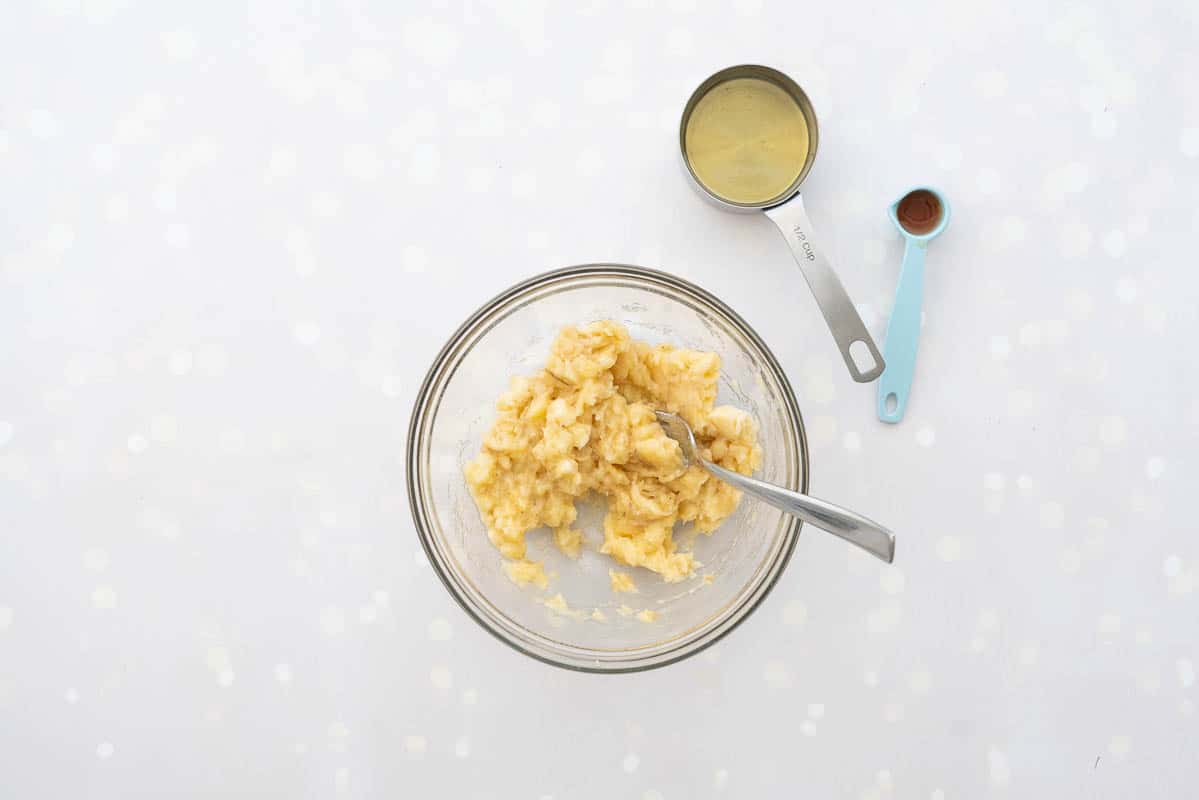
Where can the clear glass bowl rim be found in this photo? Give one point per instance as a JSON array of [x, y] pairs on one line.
[[527, 642]]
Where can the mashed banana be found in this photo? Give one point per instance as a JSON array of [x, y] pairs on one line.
[[621, 581], [585, 424]]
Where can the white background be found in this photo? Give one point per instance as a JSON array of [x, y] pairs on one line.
[[233, 240]]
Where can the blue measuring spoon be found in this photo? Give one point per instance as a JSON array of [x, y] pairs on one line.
[[920, 215]]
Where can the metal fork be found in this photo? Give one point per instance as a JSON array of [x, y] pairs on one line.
[[853, 528]]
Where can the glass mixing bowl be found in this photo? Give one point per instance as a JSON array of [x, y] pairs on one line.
[[511, 335]]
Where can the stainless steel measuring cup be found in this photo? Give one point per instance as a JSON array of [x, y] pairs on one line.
[[786, 211]]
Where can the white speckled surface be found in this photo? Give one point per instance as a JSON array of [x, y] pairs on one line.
[[234, 238]]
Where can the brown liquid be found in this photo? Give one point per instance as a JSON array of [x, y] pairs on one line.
[[919, 212]]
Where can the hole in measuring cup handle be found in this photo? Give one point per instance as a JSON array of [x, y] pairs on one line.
[[863, 359]]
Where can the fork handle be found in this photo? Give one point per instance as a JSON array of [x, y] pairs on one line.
[[853, 528]]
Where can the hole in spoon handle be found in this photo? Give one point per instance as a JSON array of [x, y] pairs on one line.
[[890, 408]]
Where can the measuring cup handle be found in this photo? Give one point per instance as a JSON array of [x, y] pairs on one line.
[[903, 335], [861, 356]]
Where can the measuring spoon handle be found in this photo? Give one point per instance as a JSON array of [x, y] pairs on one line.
[[853, 340], [848, 525], [903, 335]]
